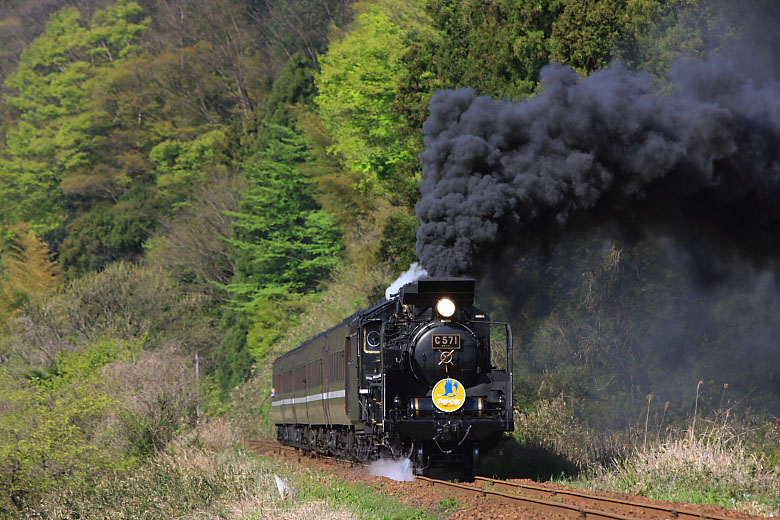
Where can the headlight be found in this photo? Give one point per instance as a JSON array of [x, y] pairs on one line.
[[445, 307]]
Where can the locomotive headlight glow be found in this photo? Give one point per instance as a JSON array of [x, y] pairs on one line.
[[445, 307]]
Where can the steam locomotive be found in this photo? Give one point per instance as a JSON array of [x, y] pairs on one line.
[[424, 375]]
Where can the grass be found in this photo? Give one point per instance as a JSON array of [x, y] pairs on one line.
[[721, 458], [205, 475], [717, 464], [367, 502], [202, 476], [449, 505]]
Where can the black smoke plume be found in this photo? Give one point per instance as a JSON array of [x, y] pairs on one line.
[[700, 163]]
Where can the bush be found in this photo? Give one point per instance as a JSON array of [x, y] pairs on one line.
[[156, 394], [52, 426]]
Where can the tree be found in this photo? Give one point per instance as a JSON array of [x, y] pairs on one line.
[[497, 48], [589, 34], [284, 245], [205, 60], [294, 85], [357, 88], [283, 240], [295, 26], [52, 143], [30, 273]]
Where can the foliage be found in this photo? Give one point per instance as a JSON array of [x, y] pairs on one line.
[[232, 361], [157, 396], [203, 64], [283, 241], [191, 245], [354, 286], [396, 248], [498, 48], [338, 190], [58, 127], [181, 164], [31, 274], [107, 233], [48, 427], [123, 301], [284, 244], [295, 84], [357, 90], [298, 26], [271, 317]]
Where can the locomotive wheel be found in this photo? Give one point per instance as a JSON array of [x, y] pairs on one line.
[[332, 442], [362, 448]]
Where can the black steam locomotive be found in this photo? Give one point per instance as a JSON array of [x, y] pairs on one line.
[[424, 375]]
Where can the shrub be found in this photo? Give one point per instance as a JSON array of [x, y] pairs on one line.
[[52, 426], [156, 397]]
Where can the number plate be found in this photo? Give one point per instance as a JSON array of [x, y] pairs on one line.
[[446, 341]]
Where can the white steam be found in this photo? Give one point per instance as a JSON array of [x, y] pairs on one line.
[[399, 470], [414, 273]]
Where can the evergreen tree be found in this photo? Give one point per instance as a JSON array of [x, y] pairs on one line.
[[284, 245], [283, 240]]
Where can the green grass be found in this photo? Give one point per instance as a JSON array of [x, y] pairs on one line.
[[449, 505], [366, 501]]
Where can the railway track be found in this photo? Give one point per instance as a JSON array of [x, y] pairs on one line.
[[571, 503], [263, 447], [559, 503]]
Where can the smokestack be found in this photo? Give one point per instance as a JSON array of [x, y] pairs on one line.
[[609, 149]]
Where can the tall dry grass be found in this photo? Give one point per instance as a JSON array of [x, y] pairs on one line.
[[721, 462], [722, 458]]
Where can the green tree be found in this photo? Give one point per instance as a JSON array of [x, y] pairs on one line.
[[589, 34], [109, 232], [283, 240], [284, 244], [48, 434], [50, 148], [357, 89], [498, 48], [294, 85], [181, 165]]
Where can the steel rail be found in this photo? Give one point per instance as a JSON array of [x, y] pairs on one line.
[[281, 449], [559, 508], [592, 500]]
